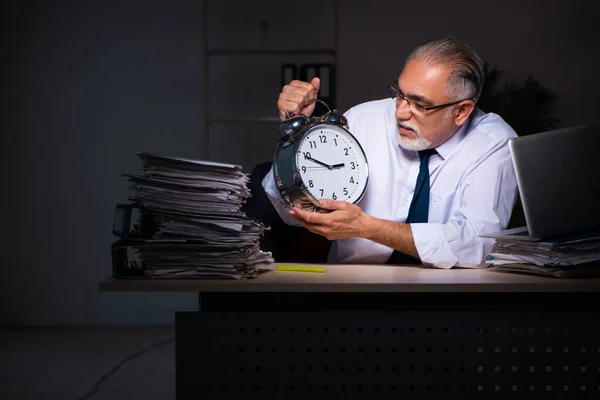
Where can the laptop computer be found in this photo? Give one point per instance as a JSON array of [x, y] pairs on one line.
[[558, 175]]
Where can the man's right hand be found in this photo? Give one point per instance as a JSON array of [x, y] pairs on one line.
[[298, 98]]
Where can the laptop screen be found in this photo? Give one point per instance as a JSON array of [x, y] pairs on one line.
[[558, 174]]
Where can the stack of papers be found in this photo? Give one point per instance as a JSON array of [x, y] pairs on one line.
[[573, 257], [199, 229]]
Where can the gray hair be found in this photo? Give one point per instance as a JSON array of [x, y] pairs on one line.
[[467, 76]]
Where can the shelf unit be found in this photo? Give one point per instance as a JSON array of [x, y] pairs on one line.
[[232, 123]]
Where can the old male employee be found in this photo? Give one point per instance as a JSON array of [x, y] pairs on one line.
[[440, 172]]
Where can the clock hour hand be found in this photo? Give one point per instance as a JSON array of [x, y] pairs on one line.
[[319, 162], [340, 165]]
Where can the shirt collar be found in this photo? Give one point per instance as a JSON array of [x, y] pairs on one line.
[[446, 148]]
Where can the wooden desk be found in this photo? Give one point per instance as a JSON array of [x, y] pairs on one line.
[[359, 278], [382, 331]]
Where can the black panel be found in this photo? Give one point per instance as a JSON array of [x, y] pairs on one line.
[[399, 354], [439, 301]]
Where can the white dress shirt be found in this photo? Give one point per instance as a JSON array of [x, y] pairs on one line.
[[473, 188]]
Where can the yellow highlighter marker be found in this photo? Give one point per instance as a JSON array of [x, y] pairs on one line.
[[299, 268]]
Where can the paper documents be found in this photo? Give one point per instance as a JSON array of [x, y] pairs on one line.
[[199, 230], [571, 257]]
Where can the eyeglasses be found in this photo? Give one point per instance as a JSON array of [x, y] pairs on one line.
[[398, 96]]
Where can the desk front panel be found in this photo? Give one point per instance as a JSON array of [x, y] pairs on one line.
[[425, 354]]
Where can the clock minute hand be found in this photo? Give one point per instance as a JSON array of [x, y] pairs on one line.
[[320, 162]]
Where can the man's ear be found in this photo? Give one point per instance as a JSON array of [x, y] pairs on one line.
[[463, 111]]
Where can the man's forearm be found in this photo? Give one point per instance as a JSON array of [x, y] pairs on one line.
[[396, 235]]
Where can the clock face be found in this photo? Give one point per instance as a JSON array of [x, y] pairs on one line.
[[332, 164]]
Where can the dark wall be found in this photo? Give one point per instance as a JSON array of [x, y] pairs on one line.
[[87, 84]]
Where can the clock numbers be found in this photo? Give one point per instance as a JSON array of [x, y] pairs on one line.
[[327, 162]]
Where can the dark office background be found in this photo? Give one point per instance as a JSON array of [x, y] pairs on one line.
[[87, 84]]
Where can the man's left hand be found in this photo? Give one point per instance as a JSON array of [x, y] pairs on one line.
[[345, 220]]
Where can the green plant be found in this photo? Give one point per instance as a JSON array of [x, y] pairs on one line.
[[527, 107]]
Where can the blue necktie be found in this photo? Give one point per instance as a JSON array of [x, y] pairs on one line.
[[419, 206]]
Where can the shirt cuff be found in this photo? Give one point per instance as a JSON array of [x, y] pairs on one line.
[[432, 246]]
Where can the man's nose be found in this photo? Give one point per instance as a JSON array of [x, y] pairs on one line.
[[403, 110]]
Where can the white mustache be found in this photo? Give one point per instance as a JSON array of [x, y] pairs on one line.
[[408, 125]]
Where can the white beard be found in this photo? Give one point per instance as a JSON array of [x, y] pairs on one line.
[[417, 144], [420, 143]]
